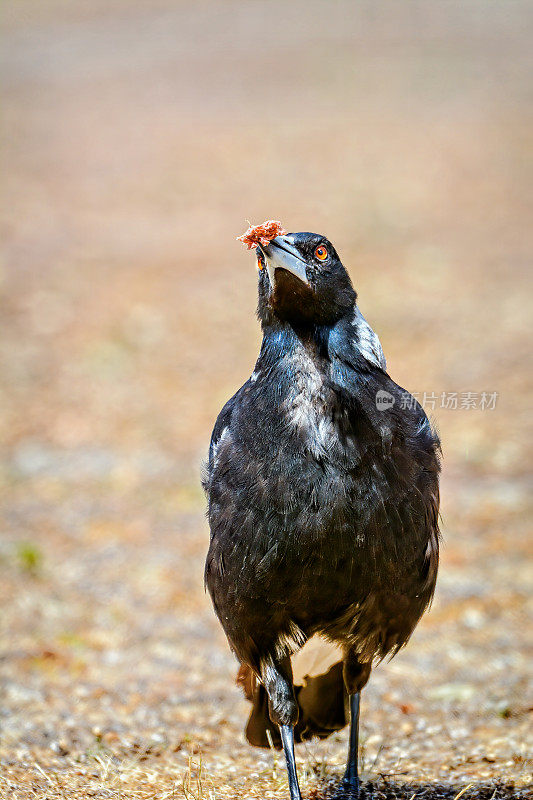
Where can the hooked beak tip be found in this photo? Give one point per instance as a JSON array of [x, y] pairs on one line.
[[281, 254]]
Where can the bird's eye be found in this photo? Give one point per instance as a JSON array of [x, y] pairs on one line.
[[259, 264], [321, 252]]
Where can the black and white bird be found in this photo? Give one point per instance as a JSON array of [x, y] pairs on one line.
[[323, 493]]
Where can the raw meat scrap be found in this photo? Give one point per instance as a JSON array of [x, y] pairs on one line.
[[261, 234]]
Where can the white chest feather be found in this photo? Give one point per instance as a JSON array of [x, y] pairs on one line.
[[308, 405]]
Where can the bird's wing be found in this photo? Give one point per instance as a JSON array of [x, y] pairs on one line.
[[222, 425]]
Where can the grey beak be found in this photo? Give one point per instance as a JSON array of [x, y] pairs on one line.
[[281, 253]]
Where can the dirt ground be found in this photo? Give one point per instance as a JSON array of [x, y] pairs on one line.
[[138, 138]]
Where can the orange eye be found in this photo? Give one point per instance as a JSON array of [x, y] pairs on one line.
[[259, 264], [321, 253]]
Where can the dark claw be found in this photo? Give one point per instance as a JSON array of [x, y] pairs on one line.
[[348, 791]]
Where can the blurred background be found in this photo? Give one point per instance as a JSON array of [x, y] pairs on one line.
[[138, 138]]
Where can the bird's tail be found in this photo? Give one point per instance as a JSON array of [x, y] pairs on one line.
[[320, 693]]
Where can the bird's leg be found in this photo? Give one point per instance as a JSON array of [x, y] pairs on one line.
[[351, 776], [283, 710], [287, 737], [355, 677]]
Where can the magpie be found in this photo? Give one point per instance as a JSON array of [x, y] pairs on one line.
[[323, 495]]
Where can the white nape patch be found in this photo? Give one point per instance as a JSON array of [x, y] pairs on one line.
[[306, 404], [369, 344], [316, 657], [224, 436]]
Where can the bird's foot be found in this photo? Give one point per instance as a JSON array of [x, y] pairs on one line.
[[348, 790]]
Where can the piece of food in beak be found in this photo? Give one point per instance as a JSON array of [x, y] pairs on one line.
[[261, 234]]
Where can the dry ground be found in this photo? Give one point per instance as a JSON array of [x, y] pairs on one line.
[[138, 137]]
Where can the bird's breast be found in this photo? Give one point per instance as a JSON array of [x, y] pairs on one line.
[[309, 406]]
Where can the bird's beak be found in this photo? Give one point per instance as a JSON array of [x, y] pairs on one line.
[[280, 253]]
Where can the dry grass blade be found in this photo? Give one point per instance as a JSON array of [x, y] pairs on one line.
[[41, 770], [463, 791]]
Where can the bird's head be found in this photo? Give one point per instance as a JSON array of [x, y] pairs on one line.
[[302, 281]]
